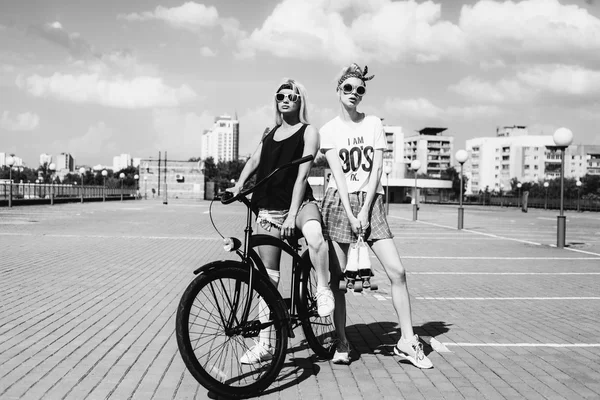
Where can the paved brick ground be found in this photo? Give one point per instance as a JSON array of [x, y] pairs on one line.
[[88, 295]]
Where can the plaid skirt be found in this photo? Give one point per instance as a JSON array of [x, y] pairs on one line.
[[337, 226]]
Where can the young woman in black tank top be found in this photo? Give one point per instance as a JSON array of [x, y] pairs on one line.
[[286, 201]]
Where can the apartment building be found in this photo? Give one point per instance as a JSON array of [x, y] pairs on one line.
[[64, 161], [434, 151], [121, 162], [394, 154], [222, 141], [513, 153]]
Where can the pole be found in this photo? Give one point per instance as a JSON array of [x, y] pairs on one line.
[[10, 185], [416, 203], [52, 189], [158, 191], [166, 200], [461, 211], [546, 201], [387, 194], [578, 199], [121, 189], [82, 188], [561, 222], [103, 188], [145, 188]]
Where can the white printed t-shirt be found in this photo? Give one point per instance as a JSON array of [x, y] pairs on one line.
[[355, 145]]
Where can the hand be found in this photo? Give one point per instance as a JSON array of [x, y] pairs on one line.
[[235, 190], [355, 225], [363, 217], [289, 226]]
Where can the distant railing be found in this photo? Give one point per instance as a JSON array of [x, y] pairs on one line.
[[24, 193], [570, 203]]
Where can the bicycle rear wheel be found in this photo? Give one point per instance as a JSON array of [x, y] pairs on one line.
[[318, 331], [212, 336]]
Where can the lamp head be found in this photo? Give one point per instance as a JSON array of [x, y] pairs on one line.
[[121, 175], [415, 165], [546, 184], [136, 177], [462, 156], [82, 170], [387, 168], [104, 172], [519, 185], [52, 167], [563, 137], [578, 183], [10, 161]]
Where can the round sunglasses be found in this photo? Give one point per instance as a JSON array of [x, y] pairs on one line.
[[293, 97], [360, 90]]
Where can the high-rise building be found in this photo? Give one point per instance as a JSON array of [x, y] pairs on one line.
[[394, 154], [64, 161], [433, 150], [45, 159], [222, 141], [121, 162], [513, 153]]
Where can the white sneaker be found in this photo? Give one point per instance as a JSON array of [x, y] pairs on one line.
[[325, 301], [342, 354], [257, 354], [413, 352]]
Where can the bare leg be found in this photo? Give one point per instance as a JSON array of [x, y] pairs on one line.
[[337, 258], [270, 256], [388, 256], [317, 250]]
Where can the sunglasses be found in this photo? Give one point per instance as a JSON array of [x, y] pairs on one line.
[[293, 97], [349, 89]]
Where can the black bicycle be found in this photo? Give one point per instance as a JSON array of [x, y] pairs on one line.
[[231, 305]]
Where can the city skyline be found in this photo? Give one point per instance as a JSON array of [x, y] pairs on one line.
[[100, 79]]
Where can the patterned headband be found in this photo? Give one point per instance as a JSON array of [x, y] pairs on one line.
[[356, 74], [286, 86]]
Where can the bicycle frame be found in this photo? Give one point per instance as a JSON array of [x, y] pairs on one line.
[[252, 260]]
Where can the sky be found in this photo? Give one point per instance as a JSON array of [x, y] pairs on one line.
[[100, 78]]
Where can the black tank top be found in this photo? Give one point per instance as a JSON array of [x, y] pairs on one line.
[[276, 193]]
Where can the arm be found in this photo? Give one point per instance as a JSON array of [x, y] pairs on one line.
[[374, 178], [248, 170], [311, 146], [340, 181]]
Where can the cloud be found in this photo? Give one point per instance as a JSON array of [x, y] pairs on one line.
[[384, 30], [422, 108], [502, 91], [55, 33], [531, 31], [570, 80], [190, 16], [180, 133], [207, 52], [98, 139], [22, 122], [139, 92]]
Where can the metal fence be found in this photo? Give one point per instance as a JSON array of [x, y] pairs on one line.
[[45, 192], [570, 203]]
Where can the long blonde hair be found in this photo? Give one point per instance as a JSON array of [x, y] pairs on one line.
[[299, 89]]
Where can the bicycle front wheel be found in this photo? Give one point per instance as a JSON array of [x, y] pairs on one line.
[[318, 331], [220, 320]]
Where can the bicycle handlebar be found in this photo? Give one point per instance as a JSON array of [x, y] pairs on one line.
[[228, 197]]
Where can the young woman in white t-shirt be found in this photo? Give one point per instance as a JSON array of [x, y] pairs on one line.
[[353, 144]]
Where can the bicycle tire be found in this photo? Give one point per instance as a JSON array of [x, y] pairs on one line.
[[319, 331], [210, 354]]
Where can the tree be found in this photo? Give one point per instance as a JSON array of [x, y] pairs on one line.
[[453, 175]]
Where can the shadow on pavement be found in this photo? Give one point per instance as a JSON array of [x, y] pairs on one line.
[[381, 337]]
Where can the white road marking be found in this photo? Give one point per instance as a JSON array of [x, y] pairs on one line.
[[503, 273], [496, 236], [379, 297], [506, 298], [496, 258], [462, 344]]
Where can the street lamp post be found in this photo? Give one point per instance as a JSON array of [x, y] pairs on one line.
[[145, 187], [10, 161], [388, 170], [546, 184], [562, 138], [52, 168], [461, 156], [82, 172], [121, 176], [104, 173], [137, 185], [519, 198], [578, 183], [415, 165]]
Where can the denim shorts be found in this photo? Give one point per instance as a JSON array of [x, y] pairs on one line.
[[269, 219]]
